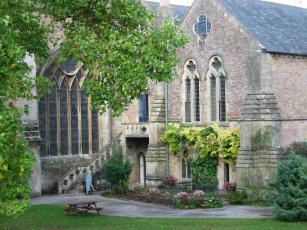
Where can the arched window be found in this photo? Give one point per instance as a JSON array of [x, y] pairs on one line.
[[67, 124], [142, 164], [191, 92], [217, 84]]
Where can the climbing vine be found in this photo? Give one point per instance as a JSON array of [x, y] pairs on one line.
[[212, 141]]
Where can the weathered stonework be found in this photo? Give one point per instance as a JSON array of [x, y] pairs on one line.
[[265, 96]]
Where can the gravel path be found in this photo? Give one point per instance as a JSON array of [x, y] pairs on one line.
[[114, 207]]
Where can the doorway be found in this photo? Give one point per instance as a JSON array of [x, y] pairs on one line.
[[142, 164]]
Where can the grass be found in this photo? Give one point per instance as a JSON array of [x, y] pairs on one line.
[[51, 217]]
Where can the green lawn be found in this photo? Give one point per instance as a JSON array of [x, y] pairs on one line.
[[53, 218]]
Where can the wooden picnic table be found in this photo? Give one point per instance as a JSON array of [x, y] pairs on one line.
[[82, 207]]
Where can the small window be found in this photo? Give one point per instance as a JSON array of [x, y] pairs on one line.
[[186, 169], [226, 173]]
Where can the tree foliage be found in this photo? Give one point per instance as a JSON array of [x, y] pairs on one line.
[[116, 40], [291, 186], [21, 33], [119, 42]]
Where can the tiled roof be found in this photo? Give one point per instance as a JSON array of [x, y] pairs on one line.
[[180, 11], [278, 28]]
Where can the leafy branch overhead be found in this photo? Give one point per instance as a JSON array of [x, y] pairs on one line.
[[115, 39], [119, 42]]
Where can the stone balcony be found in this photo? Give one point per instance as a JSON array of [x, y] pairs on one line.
[[135, 129]]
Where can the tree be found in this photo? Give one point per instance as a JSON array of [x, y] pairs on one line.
[[115, 39], [291, 185], [119, 42], [21, 32]]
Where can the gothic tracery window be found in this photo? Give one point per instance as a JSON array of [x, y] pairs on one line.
[[217, 84], [68, 126], [202, 27], [192, 92]]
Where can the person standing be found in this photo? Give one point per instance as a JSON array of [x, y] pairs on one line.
[[88, 182]]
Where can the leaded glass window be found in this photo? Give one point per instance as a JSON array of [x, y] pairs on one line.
[[188, 100], [64, 121], [197, 99], [217, 76], [191, 89], [213, 97], [144, 109], [222, 105]]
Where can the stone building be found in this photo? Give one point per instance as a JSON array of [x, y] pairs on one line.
[[244, 66]]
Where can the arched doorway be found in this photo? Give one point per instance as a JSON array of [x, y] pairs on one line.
[[142, 164]]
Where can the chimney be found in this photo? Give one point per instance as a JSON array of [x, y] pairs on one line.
[[164, 3]]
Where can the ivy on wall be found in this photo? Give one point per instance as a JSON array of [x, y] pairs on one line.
[[212, 141], [204, 173]]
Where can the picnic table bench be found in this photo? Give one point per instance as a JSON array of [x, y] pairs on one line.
[[82, 207]]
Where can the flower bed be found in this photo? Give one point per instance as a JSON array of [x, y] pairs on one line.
[[174, 198]]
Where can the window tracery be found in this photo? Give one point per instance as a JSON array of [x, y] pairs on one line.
[[68, 126], [217, 88], [192, 92], [202, 27]]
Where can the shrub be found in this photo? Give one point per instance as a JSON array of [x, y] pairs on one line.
[[237, 197], [197, 200], [291, 183], [299, 148], [198, 193], [183, 200], [116, 171], [212, 201], [230, 187], [154, 190], [171, 181]]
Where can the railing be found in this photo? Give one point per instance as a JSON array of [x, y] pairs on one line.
[[77, 174]]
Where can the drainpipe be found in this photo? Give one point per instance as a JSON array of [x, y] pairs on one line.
[[166, 124]]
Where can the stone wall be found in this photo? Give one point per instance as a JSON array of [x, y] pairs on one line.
[[289, 85], [226, 39]]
